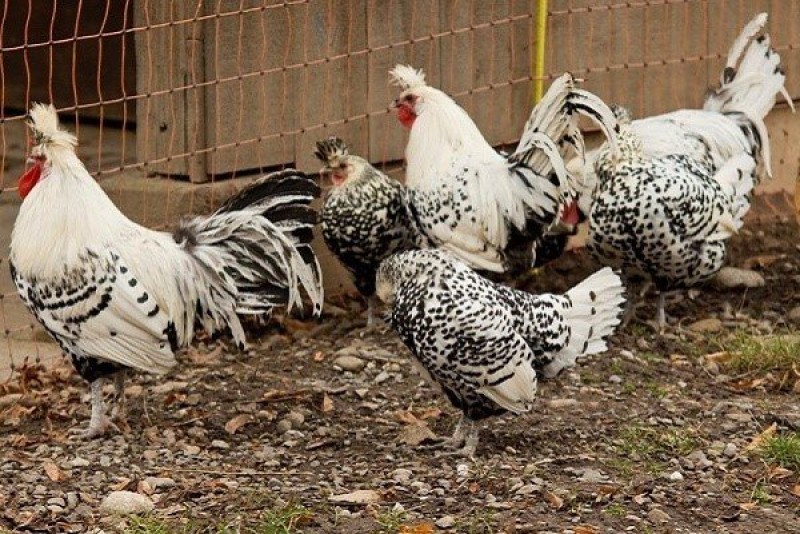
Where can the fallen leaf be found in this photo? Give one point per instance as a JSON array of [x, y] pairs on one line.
[[554, 500], [795, 490], [121, 485], [747, 506], [357, 497], [405, 416], [145, 488], [199, 358], [763, 260], [416, 434], [236, 423], [718, 357], [422, 528], [327, 403], [319, 356], [586, 529], [53, 472], [763, 437], [779, 473], [430, 413]]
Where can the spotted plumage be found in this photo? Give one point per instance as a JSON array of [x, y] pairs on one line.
[[667, 217], [484, 344], [364, 217]]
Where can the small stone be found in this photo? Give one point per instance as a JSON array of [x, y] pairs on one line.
[[105, 461], [296, 418], [402, 476], [705, 326], [730, 450], [527, 489], [125, 503], [462, 470], [699, 460], [168, 387], [150, 454], [658, 516], [382, 377], [447, 521], [283, 426], [562, 403], [57, 501], [592, 476], [739, 417], [353, 364], [675, 476], [731, 277], [357, 497], [159, 483], [615, 379], [79, 462], [794, 315], [219, 444]]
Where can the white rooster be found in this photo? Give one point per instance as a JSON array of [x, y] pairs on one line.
[[116, 295], [731, 122], [483, 206]]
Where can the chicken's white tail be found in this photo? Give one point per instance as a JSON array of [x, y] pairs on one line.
[[593, 310], [261, 241], [556, 116], [737, 179], [752, 77]]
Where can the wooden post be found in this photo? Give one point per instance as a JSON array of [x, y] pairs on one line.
[[196, 101]]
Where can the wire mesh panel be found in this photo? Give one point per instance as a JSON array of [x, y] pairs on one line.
[[173, 98]]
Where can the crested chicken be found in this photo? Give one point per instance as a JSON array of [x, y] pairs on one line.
[[118, 296], [485, 207], [364, 217]]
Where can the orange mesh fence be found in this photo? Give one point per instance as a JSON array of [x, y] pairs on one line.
[[171, 97]]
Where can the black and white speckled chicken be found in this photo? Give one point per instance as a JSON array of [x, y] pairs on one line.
[[118, 296], [731, 122], [364, 217], [666, 217], [485, 344], [487, 208]]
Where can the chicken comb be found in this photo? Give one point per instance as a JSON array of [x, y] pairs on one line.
[[407, 77], [331, 148]]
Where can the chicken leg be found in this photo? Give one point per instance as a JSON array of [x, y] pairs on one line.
[[99, 422], [464, 440]]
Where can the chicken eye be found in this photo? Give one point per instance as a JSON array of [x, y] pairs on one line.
[[343, 166], [407, 98]]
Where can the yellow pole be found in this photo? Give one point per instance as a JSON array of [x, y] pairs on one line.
[[538, 56]]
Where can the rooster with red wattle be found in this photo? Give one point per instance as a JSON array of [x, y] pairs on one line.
[[118, 296]]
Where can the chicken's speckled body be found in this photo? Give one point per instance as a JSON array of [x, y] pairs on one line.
[[666, 217], [484, 343], [364, 218]]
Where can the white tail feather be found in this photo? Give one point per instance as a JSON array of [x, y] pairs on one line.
[[594, 314]]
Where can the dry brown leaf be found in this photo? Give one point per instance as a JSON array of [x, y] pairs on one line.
[[121, 485], [204, 358], [327, 403], [421, 528], [763, 260], [232, 426], [430, 413], [759, 440], [586, 529], [779, 473], [53, 472], [795, 490], [405, 416], [417, 434], [718, 357], [145, 488], [747, 506], [554, 500], [319, 356]]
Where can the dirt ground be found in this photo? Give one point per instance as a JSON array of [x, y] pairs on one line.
[[657, 435]]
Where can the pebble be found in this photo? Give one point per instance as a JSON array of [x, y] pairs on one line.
[[739, 417], [563, 403], [447, 521], [462, 470], [296, 418], [158, 483], [615, 379], [125, 503], [219, 444], [704, 326], [79, 462], [731, 277], [699, 460], [794, 315], [353, 364], [658, 516], [730, 450], [402, 476], [356, 497], [675, 476], [283, 426], [382, 377], [57, 501]]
